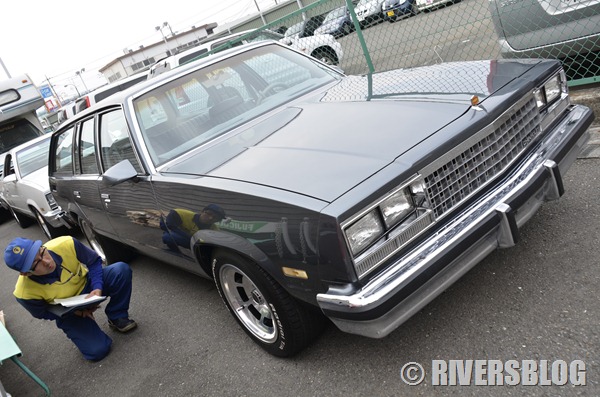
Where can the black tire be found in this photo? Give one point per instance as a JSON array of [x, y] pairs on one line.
[[110, 251], [22, 220], [414, 10], [49, 230], [266, 312], [325, 57], [346, 29]]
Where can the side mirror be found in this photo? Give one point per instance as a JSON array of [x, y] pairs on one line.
[[12, 177], [119, 173]]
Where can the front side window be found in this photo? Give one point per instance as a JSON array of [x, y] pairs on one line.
[[115, 144]]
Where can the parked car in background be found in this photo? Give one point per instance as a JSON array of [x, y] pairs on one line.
[[173, 61], [305, 28], [24, 189], [324, 47], [565, 30], [245, 168], [213, 44], [66, 111], [19, 100], [428, 5], [107, 90], [398, 9], [336, 23], [369, 11]]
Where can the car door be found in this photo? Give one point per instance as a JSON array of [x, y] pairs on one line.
[[130, 205], [75, 175], [536, 23]]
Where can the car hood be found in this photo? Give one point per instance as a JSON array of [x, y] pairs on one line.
[[329, 26], [38, 179], [324, 146]]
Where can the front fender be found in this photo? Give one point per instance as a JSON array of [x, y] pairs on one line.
[[220, 239]]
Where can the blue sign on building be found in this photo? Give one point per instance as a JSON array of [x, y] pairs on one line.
[[46, 91]]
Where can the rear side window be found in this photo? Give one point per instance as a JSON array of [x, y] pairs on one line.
[[63, 155], [33, 158]]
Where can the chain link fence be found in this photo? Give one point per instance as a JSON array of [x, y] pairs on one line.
[[381, 35]]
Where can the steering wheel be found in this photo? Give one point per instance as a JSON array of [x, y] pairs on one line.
[[271, 88]]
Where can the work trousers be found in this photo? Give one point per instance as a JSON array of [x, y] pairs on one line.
[[93, 343]]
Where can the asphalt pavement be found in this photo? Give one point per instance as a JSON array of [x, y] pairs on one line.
[[535, 301]]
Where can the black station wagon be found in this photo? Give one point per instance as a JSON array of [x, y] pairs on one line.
[[310, 195]]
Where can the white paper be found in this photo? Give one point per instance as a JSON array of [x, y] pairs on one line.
[[78, 300]]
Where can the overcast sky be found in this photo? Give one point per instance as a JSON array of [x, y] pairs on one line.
[[58, 38]]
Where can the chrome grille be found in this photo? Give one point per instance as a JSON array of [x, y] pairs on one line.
[[478, 163]]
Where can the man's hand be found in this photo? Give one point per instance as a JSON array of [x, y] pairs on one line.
[[96, 292], [87, 312]]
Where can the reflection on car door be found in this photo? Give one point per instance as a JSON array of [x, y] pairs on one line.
[[130, 205]]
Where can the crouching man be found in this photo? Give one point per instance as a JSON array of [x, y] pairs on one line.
[[63, 267]]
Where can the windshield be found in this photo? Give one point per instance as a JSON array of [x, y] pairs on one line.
[[294, 29], [34, 157], [14, 133], [196, 108]]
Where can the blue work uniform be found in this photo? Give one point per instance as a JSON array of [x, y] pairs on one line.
[[78, 271]]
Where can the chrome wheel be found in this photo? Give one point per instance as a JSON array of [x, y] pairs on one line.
[[43, 224], [248, 303], [22, 220]]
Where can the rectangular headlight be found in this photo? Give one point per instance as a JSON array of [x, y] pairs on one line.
[[396, 207], [364, 231], [553, 89]]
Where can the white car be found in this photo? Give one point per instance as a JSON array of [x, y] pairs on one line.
[[324, 47], [24, 188], [369, 11]]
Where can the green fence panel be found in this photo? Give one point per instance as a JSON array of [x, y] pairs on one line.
[[381, 35]]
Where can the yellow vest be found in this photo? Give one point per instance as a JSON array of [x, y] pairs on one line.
[[73, 276], [187, 220]]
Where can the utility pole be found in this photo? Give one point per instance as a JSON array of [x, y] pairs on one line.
[[260, 13], [5, 69]]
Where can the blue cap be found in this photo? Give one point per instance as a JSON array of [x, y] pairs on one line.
[[20, 253], [217, 210]]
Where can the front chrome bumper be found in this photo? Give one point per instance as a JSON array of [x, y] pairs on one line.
[[414, 280]]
